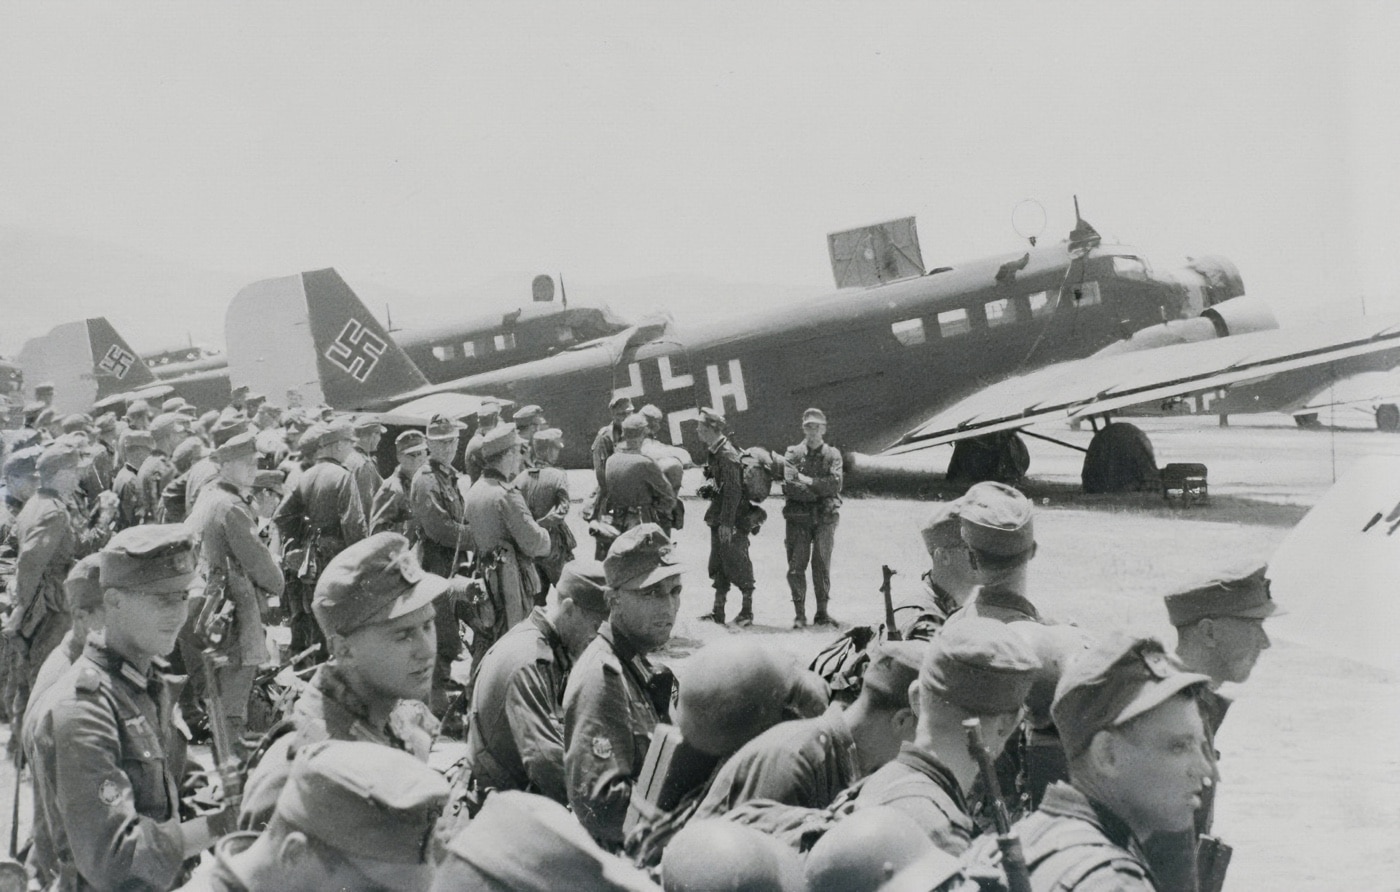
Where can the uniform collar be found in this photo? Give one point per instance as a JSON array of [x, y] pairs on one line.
[[99, 653], [1064, 800], [926, 763], [719, 444], [492, 474], [551, 636], [328, 459], [1006, 599], [621, 645]]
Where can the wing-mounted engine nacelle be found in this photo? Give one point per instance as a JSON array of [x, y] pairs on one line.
[[1208, 281], [1240, 315]]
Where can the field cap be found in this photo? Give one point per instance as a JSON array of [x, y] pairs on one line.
[[410, 443], [375, 805], [527, 415], [584, 582], [1246, 597], [634, 424], [710, 418], [1118, 679], [440, 427], [106, 423], [169, 422], [134, 439], [174, 404], [996, 519], [245, 445], [620, 402], [273, 480], [82, 586], [190, 450], [652, 413], [893, 667], [138, 407], [226, 429], [76, 422], [529, 843], [23, 462], [488, 409], [373, 581], [499, 439], [57, 457], [814, 415], [364, 425], [943, 526], [549, 435], [310, 439], [336, 432], [980, 665], [153, 559], [640, 557], [46, 417]]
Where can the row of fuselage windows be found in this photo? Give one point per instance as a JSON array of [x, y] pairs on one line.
[[500, 343], [994, 313]]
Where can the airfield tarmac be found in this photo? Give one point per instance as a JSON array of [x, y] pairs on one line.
[[1310, 792]]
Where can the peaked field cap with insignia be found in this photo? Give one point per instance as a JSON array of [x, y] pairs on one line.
[[106, 422], [529, 843], [57, 457], [981, 665], [374, 804], [168, 422], [364, 425], [943, 526], [373, 581], [1246, 597], [1114, 681], [273, 480], [640, 557], [619, 402], [488, 408], [634, 424], [154, 559], [336, 432], [187, 453], [225, 430], [814, 415], [76, 422], [23, 462], [527, 414], [651, 412], [996, 518], [245, 445], [549, 435], [440, 427], [710, 418], [585, 583], [410, 442], [310, 439], [83, 584], [134, 439], [893, 667], [499, 439], [138, 407]]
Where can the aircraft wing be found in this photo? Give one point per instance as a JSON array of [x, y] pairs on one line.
[[1099, 384]]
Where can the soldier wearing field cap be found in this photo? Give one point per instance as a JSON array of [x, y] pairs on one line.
[[319, 517], [138, 415], [168, 430], [352, 816], [615, 697], [375, 605], [950, 579], [389, 512], [242, 576], [528, 421], [361, 461], [812, 478], [545, 487], [1135, 740], [604, 444], [106, 754], [808, 762], [204, 471], [637, 490], [136, 447], [730, 519], [488, 415], [526, 843], [998, 529], [515, 738], [21, 472], [1220, 634]]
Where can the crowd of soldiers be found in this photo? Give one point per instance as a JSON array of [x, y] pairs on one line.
[[152, 552]]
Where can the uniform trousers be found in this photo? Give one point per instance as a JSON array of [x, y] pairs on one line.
[[809, 542]]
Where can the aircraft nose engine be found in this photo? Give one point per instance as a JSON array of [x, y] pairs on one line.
[[1210, 280]]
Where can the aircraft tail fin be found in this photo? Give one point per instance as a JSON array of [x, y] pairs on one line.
[[308, 339], [86, 361]]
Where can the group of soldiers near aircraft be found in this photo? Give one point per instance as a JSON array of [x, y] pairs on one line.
[[160, 545]]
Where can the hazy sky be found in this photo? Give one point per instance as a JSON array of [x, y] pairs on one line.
[[430, 146]]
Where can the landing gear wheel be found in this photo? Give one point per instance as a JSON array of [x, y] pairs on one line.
[[1307, 421], [1002, 457], [1120, 459], [1388, 418]]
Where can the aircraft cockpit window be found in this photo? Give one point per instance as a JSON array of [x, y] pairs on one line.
[[505, 341], [1040, 304], [1000, 312], [953, 322], [469, 350], [1086, 294], [909, 332], [1130, 268], [564, 334], [445, 352]]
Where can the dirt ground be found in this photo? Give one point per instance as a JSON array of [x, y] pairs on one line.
[[1310, 795]]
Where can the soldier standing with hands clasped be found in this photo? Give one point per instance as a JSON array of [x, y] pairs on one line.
[[812, 477]]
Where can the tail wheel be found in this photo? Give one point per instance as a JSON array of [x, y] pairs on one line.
[[1388, 418], [1002, 457], [1120, 459]]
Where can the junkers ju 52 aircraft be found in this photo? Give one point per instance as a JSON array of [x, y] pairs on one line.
[[900, 359]]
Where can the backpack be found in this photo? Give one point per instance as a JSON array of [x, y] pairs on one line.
[[759, 468]]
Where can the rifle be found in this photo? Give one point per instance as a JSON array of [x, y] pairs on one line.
[[226, 749], [1212, 860], [891, 630], [1013, 860]]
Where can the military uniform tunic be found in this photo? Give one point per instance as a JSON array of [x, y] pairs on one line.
[[609, 717], [389, 512], [515, 739], [806, 762], [501, 524], [811, 512], [729, 562], [131, 507], [637, 491], [155, 472], [106, 779], [328, 710], [545, 489], [923, 788], [366, 475], [438, 508]]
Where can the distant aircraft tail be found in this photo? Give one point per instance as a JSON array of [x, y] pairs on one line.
[[85, 361], [308, 339]]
